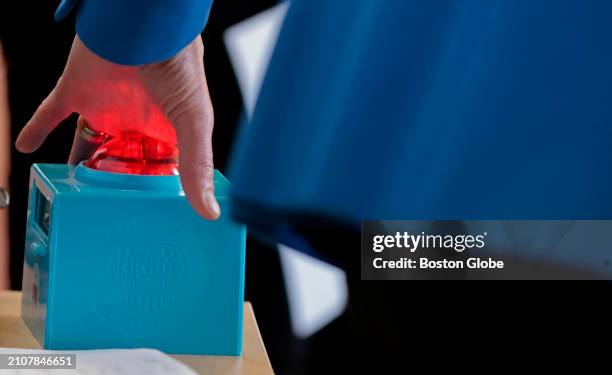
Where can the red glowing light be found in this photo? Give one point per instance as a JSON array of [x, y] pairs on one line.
[[129, 129], [126, 146], [135, 153]]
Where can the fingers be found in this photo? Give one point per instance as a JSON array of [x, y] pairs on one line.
[[85, 143], [48, 115], [179, 85], [194, 135]]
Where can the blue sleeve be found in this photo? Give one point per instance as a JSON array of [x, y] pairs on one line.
[[134, 32]]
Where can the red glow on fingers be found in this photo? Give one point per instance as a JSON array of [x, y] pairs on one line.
[[139, 139], [151, 123]]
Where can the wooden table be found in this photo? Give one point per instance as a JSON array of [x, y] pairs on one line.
[[254, 360]]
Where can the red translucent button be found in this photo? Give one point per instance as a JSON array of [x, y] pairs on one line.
[[134, 153]]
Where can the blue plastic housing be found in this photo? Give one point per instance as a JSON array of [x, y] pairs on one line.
[[122, 261]]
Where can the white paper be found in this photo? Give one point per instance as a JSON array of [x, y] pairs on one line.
[[109, 362]]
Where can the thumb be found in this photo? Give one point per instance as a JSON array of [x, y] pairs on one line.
[[49, 114], [85, 142], [194, 135]]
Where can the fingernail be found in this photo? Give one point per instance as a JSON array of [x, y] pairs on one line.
[[212, 203]]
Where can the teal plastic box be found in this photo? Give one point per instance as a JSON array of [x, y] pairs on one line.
[[122, 261]]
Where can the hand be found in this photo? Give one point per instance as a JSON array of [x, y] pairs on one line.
[[171, 98]]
